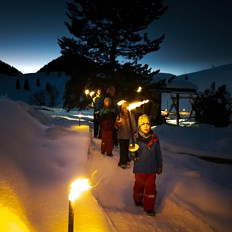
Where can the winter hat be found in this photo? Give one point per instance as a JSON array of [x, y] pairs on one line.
[[143, 119]]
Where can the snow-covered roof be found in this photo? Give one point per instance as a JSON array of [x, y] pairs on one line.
[[182, 84], [174, 84]]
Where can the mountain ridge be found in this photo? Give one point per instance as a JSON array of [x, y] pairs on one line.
[[203, 78], [61, 64]]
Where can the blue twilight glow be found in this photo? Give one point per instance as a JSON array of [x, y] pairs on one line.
[[198, 35]]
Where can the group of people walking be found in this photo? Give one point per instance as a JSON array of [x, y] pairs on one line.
[[116, 125]]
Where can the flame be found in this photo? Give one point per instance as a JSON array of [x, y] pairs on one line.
[[121, 102], [139, 89], [86, 91], [136, 104], [77, 187], [91, 93]]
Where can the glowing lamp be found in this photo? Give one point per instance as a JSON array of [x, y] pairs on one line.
[[139, 89], [86, 91], [91, 93]]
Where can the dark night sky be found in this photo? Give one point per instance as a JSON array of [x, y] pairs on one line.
[[198, 34]]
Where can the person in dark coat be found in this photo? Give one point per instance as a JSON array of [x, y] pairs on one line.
[[110, 93], [107, 120], [98, 104], [147, 163]]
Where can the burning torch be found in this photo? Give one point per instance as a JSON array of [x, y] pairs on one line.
[[133, 147], [119, 104], [77, 187]]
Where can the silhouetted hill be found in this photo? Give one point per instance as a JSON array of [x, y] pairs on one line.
[[69, 64], [8, 70]]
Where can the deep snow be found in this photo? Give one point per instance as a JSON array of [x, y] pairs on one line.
[[43, 151]]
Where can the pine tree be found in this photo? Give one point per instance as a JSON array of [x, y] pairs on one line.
[[213, 106], [37, 82], [48, 87], [18, 84], [108, 29], [105, 31], [26, 85]]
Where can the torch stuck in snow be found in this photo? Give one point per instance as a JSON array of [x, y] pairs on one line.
[[77, 187]]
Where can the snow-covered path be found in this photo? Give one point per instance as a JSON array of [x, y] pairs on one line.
[[186, 201], [41, 154], [178, 207]]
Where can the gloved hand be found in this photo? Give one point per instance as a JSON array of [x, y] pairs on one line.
[[159, 170], [133, 151], [118, 123]]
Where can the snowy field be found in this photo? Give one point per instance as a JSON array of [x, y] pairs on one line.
[[43, 150]]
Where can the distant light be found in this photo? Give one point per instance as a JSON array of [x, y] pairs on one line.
[[182, 122], [86, 91], [139, 89], [92, 93]]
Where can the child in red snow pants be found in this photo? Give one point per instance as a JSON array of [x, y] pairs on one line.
[[145, 190]]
